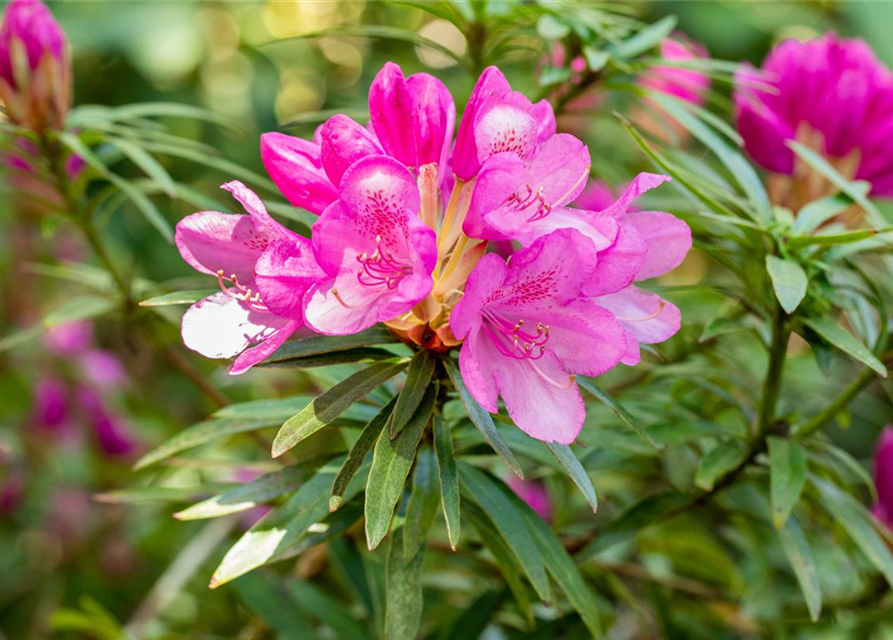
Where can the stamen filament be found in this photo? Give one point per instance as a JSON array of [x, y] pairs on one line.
[[660, 307]]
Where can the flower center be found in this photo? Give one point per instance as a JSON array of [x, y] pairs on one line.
[[381, 268], [527, 198], [240, 292], [513, 341]]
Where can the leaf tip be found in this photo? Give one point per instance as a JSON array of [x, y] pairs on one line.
[[334, 503]]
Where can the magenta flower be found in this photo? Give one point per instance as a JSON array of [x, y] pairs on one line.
[[35, 71], [528, 330], [883, 477], [830, 93], [69, 339], [113, 435], [263, 270], [687, 84], [295, 165], [377, 255], [50, 404], [534, 493]]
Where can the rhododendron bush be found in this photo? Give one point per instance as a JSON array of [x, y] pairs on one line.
[[511, 320]]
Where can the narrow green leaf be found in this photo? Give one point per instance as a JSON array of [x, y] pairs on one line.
[[859, 525], [423, 501], [149, 165], [787, 475], [418, 376], [202, 433], [178, 297], [646, 39], [796, 549], [627, 418], [817, 212], [721, 459], [357, 454], [481, 418], [449, 479], [391, 461], [471, 623], [649, 510], [832, 239], [84, 115], [846, 342], [789, 281], [329, 529], [250, 494], [360, 354], [265, 599], [595, 59], [329, 405], [403, 606], [313, 602], [156, 495], [72, 310], [316, 345], [505, 514], [282, 527], [575, 471]]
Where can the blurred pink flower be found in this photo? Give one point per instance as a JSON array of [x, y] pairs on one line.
[[113, 436], [883, 477], [534, 493], [103, 369], [69, 339], [50, 405], [687, 84]]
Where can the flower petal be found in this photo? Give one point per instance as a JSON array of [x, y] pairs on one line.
[[545, 120], [668, 239], [433, 117], [391, 111], [343, 143], [505, 124], [284, 273], [210, 241], [617, 266], [268, 347], [640, 184], [295, 166], [465, 161], [500, 177]]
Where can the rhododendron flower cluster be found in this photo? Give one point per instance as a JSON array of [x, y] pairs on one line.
[[830, 93], [470, 243]]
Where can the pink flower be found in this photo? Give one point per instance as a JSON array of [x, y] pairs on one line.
[[831, 93], [687, 84], [69, 339], [528, 330], [883, 477], [35, 71], [295, 166], [269, 269], [534, 493], [113, 436], [51, 406], [103, 369], [377, 254]]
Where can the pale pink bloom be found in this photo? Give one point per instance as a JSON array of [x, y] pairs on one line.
[[687, 84], [258, 304], [71, 338], [534, 493], [103, 369]]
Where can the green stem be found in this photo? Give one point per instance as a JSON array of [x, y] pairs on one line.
[[88, 229], [772, 383], [854, 388]]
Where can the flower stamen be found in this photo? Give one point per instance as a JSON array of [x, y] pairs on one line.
[[660, 307], [240, 292]]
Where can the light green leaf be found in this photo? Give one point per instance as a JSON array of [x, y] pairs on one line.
[[403, 586], [506, 515], [150, 166], [74, 309], [817, 212], [551, 28], [418, 376], [274, 410], [787, 475], [449, 479], [575, 471], [789, 281], [178, 297], [846, 342], [646, 39], [481, 418], [627, 418], [331, 404], [721, 459], [391, 462], [423, 501], [796, 549], [357, 454]]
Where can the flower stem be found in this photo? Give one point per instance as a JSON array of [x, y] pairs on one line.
[[772, 383]]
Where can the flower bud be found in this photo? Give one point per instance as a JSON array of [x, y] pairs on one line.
[[883, 477], [35, 69]]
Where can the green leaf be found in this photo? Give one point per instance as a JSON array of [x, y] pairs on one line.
[[859, 525], [817, 212], [403, 606], [361, 354], [505, 514], [330, 529], [72, 310], [551, 28], [846, 342], [796, 549], [595, 59], [423, 501], [391, 461], [721, 459], [271, 604], [471, 623], [832, 239], [156, 495], [789, 281], [315, 603], [787, 475], [575, 471], [85, 115], [250, 494], [627, 418], [150, 166], [418, 376], [178, 297], [274, 410], [654, 508], [331, 404], [202, 433], [357, 454], [449, 479], [282, 527], [646, 39], [481, 418], [316, 345]]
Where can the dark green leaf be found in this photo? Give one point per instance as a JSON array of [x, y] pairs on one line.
[[391, 461], [846, 342], [313, 602], [481, 488], [627, 418], [471, 623], [418, 376], [316, 345], [481, 418], [423, 501], [449, 478], [787, 469], [361, 354], [789, 281], [575, 471], [331, 404], [403, 608], [721, 459], [796, 549], [269, 602], [363, 445]]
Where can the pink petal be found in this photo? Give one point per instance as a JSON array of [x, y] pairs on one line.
[[668, 239], [255, 207], [210, 241], [268, 347], [600, 229], [433, 117], [617, 266], [645, 315], [640, 184], [285, 272], [486, 278], [585, 338], [477, 360], [295, 166], [391, 111], [505, 124], [560, 166], [545, 120], [465, 153], [343, 143], [500, 177]]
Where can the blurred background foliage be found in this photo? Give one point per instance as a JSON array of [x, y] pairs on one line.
[[75, 565]]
